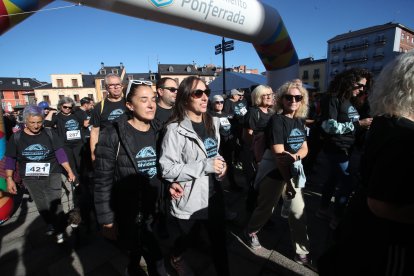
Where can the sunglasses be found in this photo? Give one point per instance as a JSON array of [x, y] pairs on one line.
[[290, 98], [359, 86], [136, 82], [66, 107], [199, 93], [219, 102], [172, 89], [267, 95]]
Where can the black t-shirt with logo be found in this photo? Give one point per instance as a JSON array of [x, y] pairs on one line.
[[36, 153], [210, 144], [258, 120], [110, 112], [343, 112], [69, 127], [287, 131], [144, 151]]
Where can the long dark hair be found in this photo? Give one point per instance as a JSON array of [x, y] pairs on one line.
[[183, 99], [343, 83]]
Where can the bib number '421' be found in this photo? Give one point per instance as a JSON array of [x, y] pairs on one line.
[[37, 169]]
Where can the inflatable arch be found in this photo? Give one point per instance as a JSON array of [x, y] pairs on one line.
[[245, 20]]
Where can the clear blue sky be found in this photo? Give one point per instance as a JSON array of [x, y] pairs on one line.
[[78, 39]]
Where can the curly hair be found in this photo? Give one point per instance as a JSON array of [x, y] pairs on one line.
[[393, 93], [344, 83], [302, 111]]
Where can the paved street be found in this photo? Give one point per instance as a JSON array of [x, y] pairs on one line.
[[25, 250]]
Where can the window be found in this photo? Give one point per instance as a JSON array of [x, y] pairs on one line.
[[402, 36], [103, 85], [26, 83], [16, 95], [115, 71], [188, 69], [408, 38], [316, 84], [152, 77], [305, 75], [46, 98], [76, 98], [59, 82], [61, 97], [170, 69], [90, 96], [75, 83], [102, 72]]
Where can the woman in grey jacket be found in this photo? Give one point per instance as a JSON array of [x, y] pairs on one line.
[[189, 158]]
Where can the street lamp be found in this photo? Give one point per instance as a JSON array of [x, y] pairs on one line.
[[225, 46]]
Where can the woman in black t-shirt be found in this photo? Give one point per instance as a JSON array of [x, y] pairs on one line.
[[287, 144], [39, 153], [126, 182]]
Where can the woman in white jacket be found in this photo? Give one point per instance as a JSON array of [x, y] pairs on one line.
[[190, 159]]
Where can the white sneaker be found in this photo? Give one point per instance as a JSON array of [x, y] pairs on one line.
[[59, 238]]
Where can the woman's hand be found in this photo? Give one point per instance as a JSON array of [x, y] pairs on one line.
[[11, 186], [285, 158], [176, 191], [71, 176], [365, 123], [220, 166]]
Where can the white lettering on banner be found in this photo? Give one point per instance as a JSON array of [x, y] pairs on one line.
[[216, 11], [37, 169]]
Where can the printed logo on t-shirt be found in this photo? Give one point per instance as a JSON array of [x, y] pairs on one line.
[[146, 160], [211, 147], [353, 114], [296, 139], [115, 114], [36, 152], [240, 109], [72, 124]]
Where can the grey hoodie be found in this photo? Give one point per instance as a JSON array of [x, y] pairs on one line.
[[183, 159]]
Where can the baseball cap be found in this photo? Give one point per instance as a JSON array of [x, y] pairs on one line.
[[85, 100], [236, 92], [218, 98], [43, 105]]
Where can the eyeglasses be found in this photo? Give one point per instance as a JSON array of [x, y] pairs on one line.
[[290, 98], [66, 107], [267, 95], [219, 102], [199, 93], [114, 85], [172, 89], [360, 85], [136, 82]]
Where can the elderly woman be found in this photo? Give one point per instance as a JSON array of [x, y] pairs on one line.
[[286, 144], [189, 156], [69, 128], [39, 153], [259, 115], [376, 236]]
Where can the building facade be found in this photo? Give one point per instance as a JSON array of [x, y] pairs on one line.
[[17, 92], [313, 72], [181, 71], [370, 48]]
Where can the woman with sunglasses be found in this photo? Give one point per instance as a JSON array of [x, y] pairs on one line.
[[286, 144], [340, 122], [126, 182], [189, 156]]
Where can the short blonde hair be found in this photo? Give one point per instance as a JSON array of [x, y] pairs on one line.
[[257, 93], [302, 112], [393, 92]]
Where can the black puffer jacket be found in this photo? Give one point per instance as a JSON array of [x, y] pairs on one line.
[[121, 193]]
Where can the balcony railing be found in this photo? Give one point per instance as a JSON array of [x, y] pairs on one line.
[[381, 41], [356, 59], [362, 45]]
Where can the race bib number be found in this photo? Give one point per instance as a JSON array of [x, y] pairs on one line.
[[37, 169], [73, 135], [224, 122], [243, 111]]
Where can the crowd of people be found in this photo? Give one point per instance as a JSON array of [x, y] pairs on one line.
[[150, 165]]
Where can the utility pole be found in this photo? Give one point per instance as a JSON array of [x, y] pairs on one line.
[[225, 46]]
